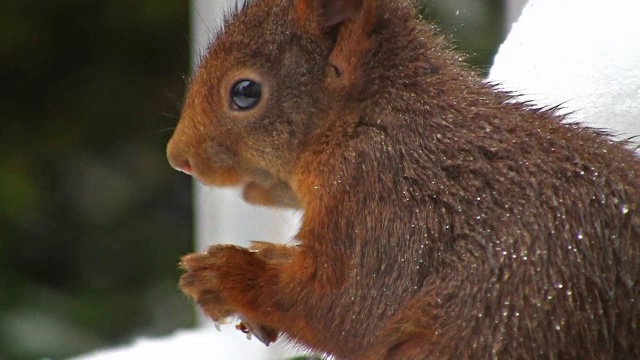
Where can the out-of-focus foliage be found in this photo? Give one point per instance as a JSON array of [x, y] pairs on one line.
[[475, 27], [92, 219]]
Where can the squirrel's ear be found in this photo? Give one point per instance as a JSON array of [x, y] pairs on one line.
[[324, 14], [352, 22], [334, 12]]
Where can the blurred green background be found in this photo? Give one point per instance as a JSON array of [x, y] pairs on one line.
[[92, 219]]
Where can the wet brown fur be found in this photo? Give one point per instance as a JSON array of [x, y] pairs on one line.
[[442, 220]]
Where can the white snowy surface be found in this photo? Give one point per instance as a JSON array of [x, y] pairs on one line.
[[582, 53], [203, 343]]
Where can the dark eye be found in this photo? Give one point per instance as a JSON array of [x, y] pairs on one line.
[[245, 95]]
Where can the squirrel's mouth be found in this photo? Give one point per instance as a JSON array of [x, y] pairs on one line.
[[259, 186], [233, 176], [219, 178]]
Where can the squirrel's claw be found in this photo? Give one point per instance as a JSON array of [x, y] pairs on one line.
[[265, 334]]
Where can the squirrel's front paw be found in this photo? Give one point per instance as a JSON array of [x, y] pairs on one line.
[[273, 253], [218, 278]]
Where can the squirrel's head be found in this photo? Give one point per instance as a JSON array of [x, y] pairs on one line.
[[261, 88]]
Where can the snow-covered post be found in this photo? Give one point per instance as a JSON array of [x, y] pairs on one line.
[[220, 214]]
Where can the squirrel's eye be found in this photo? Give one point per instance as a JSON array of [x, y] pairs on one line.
[[245, 95]]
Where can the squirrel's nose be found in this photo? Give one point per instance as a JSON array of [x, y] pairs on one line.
[[183, 166], [178, 159]]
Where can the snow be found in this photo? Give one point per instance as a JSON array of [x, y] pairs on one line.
[[584, 54], [580, 53], [203, 343]]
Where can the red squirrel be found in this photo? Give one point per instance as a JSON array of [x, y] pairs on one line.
[[442, 219]]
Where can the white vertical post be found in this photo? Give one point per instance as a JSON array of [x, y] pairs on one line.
[[220, 214]]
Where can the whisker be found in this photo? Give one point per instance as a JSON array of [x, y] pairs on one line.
[[166, 129], [170, 116]]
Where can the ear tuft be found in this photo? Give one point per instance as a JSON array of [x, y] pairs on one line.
[[325, 14], [334, 12], [348, 23]]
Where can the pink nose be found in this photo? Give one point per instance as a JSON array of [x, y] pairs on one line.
[[185, 168], [182, 164], [178, 159]]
